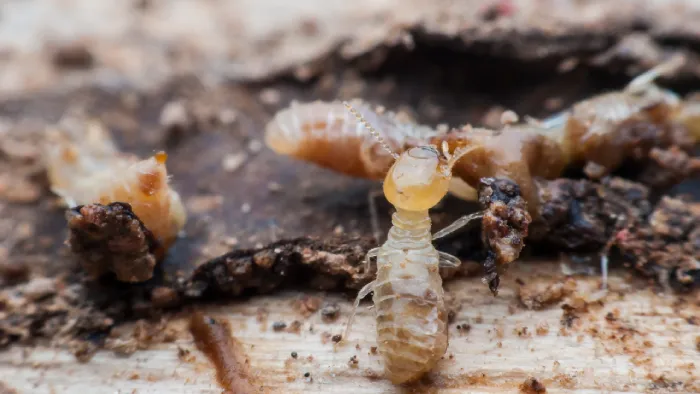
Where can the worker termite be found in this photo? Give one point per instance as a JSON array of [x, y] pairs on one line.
[[411, 314], [85, 167]]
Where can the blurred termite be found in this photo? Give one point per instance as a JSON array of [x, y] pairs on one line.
[[84, 167], [410, 308]]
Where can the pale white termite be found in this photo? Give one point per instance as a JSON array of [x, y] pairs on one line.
[[408, 295]]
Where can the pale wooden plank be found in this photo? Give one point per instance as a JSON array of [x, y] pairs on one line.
[[578, 362]]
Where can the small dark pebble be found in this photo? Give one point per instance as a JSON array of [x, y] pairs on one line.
[[279, 326], [14, 272], [532, 386], [336, 338], [519, 281], [330, 312], [464, 327], [294, 355], [306, 375], [610, 316]]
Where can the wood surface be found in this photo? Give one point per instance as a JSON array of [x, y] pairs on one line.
[[646, 344]]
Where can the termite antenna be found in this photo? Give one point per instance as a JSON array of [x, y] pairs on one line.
[[371, 129], [642, 81]]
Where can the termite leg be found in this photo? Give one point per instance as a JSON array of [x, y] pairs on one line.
[[604, 271], [368, 288], [373, 215], [459, 223], [368, 257], [449, 261]]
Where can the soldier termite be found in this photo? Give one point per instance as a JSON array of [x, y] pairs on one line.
[[85, 167], [411, 314]]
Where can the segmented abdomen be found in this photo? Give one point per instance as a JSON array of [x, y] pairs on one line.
[[411, 315]]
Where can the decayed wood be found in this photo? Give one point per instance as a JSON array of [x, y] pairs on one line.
[[632, 341]]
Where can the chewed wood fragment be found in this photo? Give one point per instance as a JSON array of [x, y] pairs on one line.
[[110, 238], [85, 167]]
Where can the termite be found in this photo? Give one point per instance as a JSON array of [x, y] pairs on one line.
[[408, 295], [641, 121], [85, 167]]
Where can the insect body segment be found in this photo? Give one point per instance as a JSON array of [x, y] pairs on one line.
[[85, 167], [408, 294]]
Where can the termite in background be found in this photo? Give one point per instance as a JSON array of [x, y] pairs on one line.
[[104, 188], [643, 124], [408, 295]]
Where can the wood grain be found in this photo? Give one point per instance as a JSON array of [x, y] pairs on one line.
[[635, 342]]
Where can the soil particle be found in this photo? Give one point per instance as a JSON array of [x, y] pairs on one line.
[[543, 293], [307, 305], [504, 225], [110, 238], [13, 271], [667, 246], [532, 386], [165, 297], [75, 55]]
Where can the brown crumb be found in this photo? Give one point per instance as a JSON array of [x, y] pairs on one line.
[[73, 56], [336, 338], [464, 328], [565, 380], [164, 297], [697, 343], [373, 350], [294, 327], [307, 305], [539, 294], [14, 271], [185, 355], [83, 350], [532, 386], [542, 328], [522, 332]]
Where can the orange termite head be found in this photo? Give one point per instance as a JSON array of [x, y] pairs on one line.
[[420, 177], [417, 180]]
